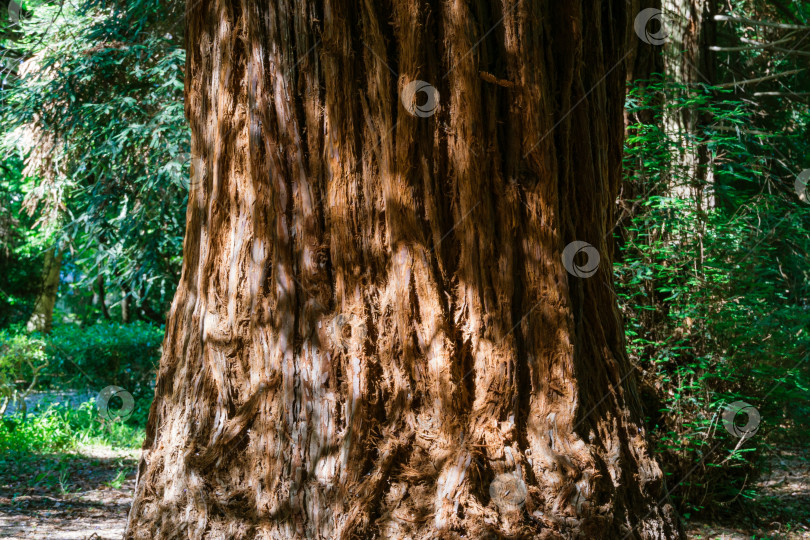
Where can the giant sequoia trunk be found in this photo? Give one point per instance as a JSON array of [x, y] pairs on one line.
[[374, 334]]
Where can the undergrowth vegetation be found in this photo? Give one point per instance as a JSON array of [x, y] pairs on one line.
[[79, 362], [713, 281], [64, 428]]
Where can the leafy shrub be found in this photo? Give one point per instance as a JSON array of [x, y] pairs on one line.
[[44, 432], [76, 357], [714, 292], [105, 354], [63, 428], [92, 357], [22, 358]]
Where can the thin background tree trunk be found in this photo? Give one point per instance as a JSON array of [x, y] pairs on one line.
[[100, 297], [688, 61], [374, 333], [125, 305], [41, 319]]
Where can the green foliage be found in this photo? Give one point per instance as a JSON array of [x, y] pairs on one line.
[[21, 247], [22, 357], [118, 480], [81, 358], [45, 432], [104, 354], [105, 81], [63, 428], [713, 281], [16, 349]]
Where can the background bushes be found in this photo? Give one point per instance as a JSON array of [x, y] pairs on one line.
[[85, 359]]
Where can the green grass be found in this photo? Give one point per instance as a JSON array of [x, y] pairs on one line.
[[46, 453], [61, 428], [119, 479]]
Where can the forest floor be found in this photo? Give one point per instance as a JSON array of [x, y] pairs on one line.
[[781, 509], [86, 496], [80, 496]]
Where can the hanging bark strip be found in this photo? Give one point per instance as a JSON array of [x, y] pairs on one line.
[[374, 334]]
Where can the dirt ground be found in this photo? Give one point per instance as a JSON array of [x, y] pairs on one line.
[[68, 497], [86, 496]]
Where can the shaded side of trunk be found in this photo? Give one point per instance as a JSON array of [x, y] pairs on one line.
[[645, 58], [374, 334], [644, 65], [41, 319]]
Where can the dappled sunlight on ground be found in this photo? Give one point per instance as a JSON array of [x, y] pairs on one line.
[[83, 495]]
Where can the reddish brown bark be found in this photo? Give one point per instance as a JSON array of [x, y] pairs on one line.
[[374, 334]]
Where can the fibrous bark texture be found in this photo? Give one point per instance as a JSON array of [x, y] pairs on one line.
[[645, 56], [689, 29], [374, 335]]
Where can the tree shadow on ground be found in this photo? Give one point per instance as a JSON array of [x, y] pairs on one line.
[[79, 494]]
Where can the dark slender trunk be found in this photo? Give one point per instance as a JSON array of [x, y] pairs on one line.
[[99, 297], [41, 319]]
